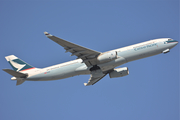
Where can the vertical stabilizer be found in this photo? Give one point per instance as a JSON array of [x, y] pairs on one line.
[[17, 64]]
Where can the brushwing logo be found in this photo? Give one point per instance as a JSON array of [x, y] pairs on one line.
[[17, 65]]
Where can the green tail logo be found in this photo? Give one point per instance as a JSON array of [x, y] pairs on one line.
[[17, 64]]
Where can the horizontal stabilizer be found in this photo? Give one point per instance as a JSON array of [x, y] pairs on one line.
[[15, 74], [20, 81], [96, 75]]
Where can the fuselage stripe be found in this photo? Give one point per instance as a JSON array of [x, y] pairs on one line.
[[28, 69]]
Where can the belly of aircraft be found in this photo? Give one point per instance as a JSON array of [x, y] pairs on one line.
[[60, 73]]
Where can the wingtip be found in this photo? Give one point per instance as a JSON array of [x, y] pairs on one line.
[[47, 34], [85, 84]]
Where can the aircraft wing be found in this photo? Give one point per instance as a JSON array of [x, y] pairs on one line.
[[95, 77], [87, 55]]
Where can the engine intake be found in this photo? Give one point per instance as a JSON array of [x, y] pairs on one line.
[[107, 56], [119, 72]]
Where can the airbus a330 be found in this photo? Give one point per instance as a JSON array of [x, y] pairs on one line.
[[88, 61]]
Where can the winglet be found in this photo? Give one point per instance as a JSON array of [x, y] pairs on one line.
[[47, 34]]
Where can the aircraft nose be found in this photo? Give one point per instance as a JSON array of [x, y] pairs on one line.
[[176, 42], [172, 42]]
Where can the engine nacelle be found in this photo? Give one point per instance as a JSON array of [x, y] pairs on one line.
[[107, 56], [119, 72]]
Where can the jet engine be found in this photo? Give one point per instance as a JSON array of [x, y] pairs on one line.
[[119, 72], [107, 56]]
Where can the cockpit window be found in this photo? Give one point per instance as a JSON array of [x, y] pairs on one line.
[[170, 39]]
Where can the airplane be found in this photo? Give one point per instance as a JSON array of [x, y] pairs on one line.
[[88, 61]]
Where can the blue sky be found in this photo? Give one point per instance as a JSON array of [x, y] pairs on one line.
[[149, 92]]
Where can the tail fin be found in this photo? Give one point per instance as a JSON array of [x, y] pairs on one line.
[[17, 64]]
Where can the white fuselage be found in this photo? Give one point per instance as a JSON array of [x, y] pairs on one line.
[[77, 67]]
